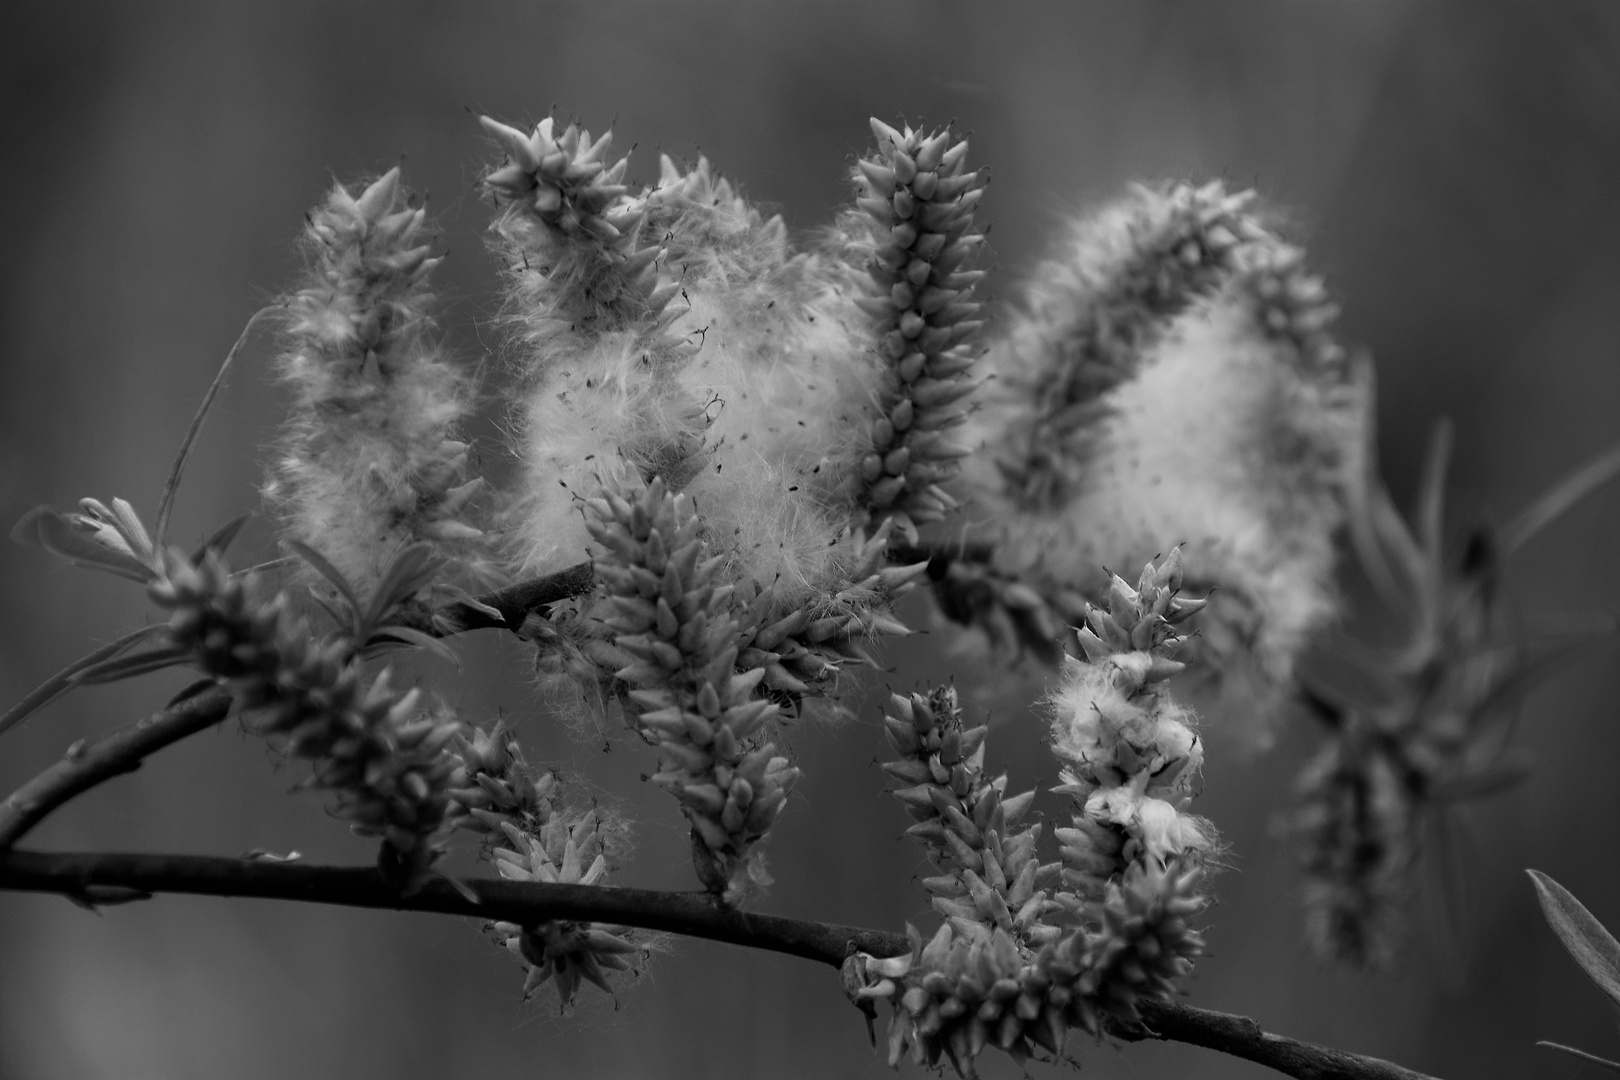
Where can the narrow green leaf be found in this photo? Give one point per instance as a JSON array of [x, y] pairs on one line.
[[411, 568], [47, 528], [172, 484], [191, 691], [221, 539], [127, 667], [1593, 947], [323, 567], [64, 680], [1590, 1059], [413, 638]]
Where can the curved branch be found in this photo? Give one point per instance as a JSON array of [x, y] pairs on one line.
[[506, 608], [83, 767], [692, 914], [109, 878]]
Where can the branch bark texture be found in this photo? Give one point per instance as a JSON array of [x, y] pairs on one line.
[[83, 767], [93, 877]]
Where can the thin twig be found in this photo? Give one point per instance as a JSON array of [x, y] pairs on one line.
[[90, 876], [83, 767], [1171, 1021]]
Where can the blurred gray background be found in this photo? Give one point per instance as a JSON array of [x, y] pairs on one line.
[[1453, 166]]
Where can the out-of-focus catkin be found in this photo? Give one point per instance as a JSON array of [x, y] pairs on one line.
[[1171, 376], [371, 459]]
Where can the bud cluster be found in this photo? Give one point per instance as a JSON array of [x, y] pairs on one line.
[[1130, 755], [368, 461], [574, 229], [531, 834], [989, 874], [674, 626], [804, 650], [384, 758], [973, 986], [920, 203]]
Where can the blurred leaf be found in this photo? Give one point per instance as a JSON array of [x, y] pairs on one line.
[[1431, 499], [1559, 499], [50, 529], [1519, 679], [67, 678], [406, 636], [221, 539], [1514, 766], [1593, 947]]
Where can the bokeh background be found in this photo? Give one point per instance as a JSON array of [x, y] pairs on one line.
[[1452, 165]]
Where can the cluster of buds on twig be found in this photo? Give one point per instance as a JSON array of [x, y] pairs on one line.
[[568, 205], [1130, 754], [674, 627], [532, 834], [804, 650], [385, 758], [920, 201], [369, 461], [989, 872], [973, 986]]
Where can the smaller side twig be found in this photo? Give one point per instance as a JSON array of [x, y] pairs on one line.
[[514, 603], [82, 768], [1171, 1021]]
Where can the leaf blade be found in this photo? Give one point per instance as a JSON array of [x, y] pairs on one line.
[[66, 679], [1583, 937], [50, 529]]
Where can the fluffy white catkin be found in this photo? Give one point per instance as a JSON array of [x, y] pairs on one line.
[[1170, 379], [369, 460], [692, 344]]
